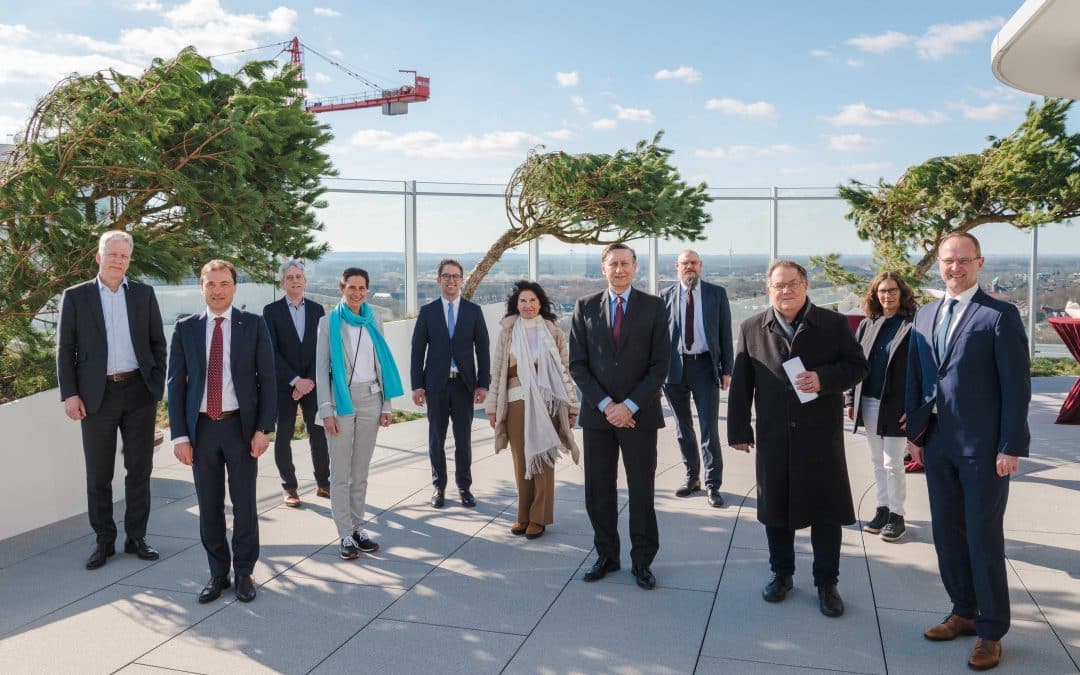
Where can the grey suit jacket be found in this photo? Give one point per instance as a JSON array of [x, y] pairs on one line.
[[324, 388]]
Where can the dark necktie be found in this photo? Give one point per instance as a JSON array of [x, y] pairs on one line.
[[688, 329], [616, 327], [943, 328], [214, 370]]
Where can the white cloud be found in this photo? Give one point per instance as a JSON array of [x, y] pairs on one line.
[[738, 152], [684, 73], [570, 79], [88, 42], [560, 134], [634, 114], [604, 124], [852, 143], [854, 63], [10, 126], [880, 44], [320, 78], [579, 104], [326, 11], [943, 39], [733, 106], [146, 6], [431, 144], [14, 32], [990, 111], [820, 53], [36, 66], [337, 52], [793, 170], [868, 168], [1001, 93], [861, 115]]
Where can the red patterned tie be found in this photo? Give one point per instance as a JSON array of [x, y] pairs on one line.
[[213, 373], [688, 335], [616, 328]]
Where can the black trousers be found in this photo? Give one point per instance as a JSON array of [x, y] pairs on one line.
[[825, 539], [223, 451], [128, 408], [638, 447], [967, 510], [452, 403], [698, 381], [286, 424]]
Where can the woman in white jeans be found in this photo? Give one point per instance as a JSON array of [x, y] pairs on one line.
[[877, 403], [355, 378]]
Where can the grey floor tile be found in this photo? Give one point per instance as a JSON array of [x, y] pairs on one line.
[[369, 570], [389, 647], [290, 627], [710, 665]]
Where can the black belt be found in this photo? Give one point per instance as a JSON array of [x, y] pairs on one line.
[[702, 355], [120, 377], [225, 414]]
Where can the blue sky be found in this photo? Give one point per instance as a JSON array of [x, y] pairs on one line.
[[749, 94]]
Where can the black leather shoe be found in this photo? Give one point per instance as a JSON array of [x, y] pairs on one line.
[[831, 603], [601, 568], [467, 499], [777, 588], [245, 588], [644, 577], [100, 556], [438, 498], [689, 488], [212, 590], [715, 498], [141, 549]]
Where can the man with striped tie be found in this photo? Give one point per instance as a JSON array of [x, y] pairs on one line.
[[222, 406]]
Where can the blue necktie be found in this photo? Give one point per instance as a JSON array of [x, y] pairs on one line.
[[451, 323], [943, 328]]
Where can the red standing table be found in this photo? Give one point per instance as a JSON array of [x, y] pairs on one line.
[[855, 319], [1069, 330]]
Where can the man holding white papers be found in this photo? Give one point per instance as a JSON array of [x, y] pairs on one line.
[[802, 478]]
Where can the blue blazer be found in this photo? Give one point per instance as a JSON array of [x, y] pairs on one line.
[[432, 347], [981, 386], [251, 362], [716, 316]]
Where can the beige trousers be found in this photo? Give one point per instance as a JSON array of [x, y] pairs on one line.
[[536, 496], [350, 458]]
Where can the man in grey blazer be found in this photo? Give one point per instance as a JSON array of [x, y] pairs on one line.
[[699, 321], [619, 351], [110, 363]]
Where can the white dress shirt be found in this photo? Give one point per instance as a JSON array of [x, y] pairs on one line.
[[364, 370], [121, 352], [229, 401], [962, 302]]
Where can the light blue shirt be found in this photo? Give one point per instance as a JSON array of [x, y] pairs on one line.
[[121, 357], [625, 295], [299, 318]]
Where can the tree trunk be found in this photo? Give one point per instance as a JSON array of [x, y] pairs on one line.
[[506, 241]]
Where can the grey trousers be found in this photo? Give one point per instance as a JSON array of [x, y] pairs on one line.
[[350, 458]]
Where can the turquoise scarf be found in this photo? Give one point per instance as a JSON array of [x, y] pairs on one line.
[[391, 381]]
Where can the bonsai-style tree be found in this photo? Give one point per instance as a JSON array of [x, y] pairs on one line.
[[597, 199], [1028, 178], [194, 163]]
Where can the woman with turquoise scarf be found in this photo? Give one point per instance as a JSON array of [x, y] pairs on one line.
[[355, 378]]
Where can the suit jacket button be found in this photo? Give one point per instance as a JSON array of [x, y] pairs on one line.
[[793, 425]]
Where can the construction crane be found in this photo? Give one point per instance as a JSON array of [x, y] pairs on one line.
[[392, 101]]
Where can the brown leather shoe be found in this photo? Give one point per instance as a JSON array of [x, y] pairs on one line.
[[518, 529], [292, 499], [986, 655], [323, 492], [534, 531], [952, 627]]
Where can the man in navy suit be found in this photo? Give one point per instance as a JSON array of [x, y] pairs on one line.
[[968, 390], [450, 374], [699, 321], [222, 405], [293, 322]]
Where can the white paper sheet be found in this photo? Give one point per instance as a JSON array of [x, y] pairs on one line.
[[794, 367]]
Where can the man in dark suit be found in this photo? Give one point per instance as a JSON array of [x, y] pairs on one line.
[[699, 322], [451, 371], [293, 322], [968, 390], [801, 470], [110, 363], [619, 353], [222, 404]]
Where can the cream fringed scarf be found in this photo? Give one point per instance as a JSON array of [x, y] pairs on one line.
[[544, 389]]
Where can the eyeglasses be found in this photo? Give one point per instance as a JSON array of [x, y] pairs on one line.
[[963, 262], [450, 277], [790, 286], [888, 291]]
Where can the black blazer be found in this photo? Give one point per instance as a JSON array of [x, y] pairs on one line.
[[292, 358], [633, 370], [432, 346], [251, 363], [716, 317], [82, 352], [892, 395]]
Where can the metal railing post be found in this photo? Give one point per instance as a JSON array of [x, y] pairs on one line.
[[1033, 288], [774, 222], [534, 259], [412, 301], [654, 264]]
